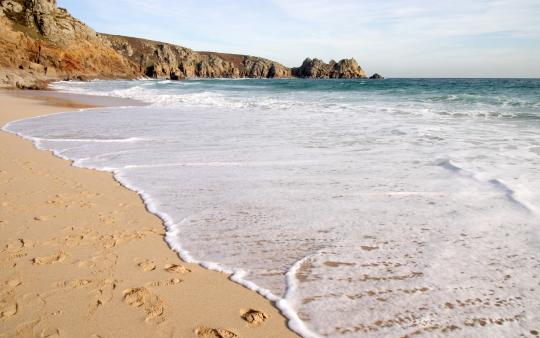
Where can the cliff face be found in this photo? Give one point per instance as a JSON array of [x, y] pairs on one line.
[[162, 60], [317, 69], [40, 42]]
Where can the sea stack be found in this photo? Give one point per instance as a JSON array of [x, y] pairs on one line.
[[318, 69]]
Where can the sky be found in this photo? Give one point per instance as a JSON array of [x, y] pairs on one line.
[[396, 38]]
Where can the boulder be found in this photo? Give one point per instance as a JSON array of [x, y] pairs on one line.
[[376, 76]]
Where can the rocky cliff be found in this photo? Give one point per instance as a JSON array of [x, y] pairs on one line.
[[162, 60], [317, 69], [40, 42]]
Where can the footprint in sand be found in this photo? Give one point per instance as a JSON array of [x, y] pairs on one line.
[[74, 284], [106, 261], [102, 294], [108, 241], [143, 298], [13, 283], [8, 308], [49, 333], [169, 282], [14, 246], [147, 265], [254, 317], [175, 268], [46, 260], [204, 332]]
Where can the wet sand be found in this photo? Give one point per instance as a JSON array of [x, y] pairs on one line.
[[80, 256]]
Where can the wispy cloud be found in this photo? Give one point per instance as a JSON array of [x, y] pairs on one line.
[[395, 37]]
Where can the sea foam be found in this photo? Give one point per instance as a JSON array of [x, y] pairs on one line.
[[358, 208]]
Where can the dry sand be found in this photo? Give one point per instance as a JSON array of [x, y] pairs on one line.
[[81, 257]]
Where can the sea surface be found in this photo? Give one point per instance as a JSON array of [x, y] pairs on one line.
[[363, 208]]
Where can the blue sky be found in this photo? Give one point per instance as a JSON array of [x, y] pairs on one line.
[[409, 38]]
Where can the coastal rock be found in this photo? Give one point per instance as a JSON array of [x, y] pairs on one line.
[[318, 69], [11, 6], [315, 68], [348, 69], [52, 22], [376, 76], [21, 80], [162, 60], [40, 42]]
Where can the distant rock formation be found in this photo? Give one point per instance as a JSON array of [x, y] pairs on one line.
[[41, 42], [376, 76], [162, 60], [317, 69]]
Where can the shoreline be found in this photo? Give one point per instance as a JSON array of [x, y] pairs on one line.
[[213, 302]]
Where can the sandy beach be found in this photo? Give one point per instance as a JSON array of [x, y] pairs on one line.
[[283, 169], [81, 257]]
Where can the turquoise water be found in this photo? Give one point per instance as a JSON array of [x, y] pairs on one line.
[[486, 97], [362, 208]]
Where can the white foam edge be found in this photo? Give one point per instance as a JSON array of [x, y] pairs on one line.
[[495, 183], [236, 275], [122, 140]]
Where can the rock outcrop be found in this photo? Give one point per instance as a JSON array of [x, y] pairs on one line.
[[376, 76], [162, 60], [40, 42], [52, 22], [317, 69]]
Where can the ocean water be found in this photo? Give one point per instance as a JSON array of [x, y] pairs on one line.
[[387, 208]]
